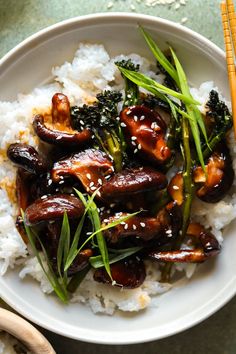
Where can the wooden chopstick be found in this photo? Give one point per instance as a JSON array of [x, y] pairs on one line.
[[232, 21], [230, 60]]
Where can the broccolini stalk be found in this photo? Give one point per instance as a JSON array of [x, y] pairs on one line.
[[102, 119], [114, 148], [131, 89]]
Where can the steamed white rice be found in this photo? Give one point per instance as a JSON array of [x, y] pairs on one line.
[[91, 71]]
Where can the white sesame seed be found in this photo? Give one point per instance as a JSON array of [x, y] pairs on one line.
[[129, 95], [118, 118], [133, 138], [61, 182], [142, 224], [134, 227], [128, 112], [58, 137], [49, 181], [168, 232], [108, 211], [100, 181], [112, 205], [139, 146], [135, 118], [88, 175], [135, 151], [61, 177], [110, 5], [142, 117], [123, 223], [108, 176], [154, 125], [133, 143], [93, 188], [184, 20], [44, 197], [81, 122], [175, 187], [91, 184], [106, 220], [126, 226], [123, 125], [88, 233]]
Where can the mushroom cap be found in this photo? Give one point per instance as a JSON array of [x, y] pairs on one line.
[[26, 157], [219, 179], [133, 181], [89, 166], [145, 131], [53, 207], [128, 274]]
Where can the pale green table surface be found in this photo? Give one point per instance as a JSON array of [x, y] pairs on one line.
[[21, 18]]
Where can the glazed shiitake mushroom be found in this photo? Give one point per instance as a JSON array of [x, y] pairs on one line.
[[165, 225], [129, 273], [212, 186], [145, 132], [53, 207], [90, 166], [219, 176], [26, 157], [80, 262], [208, 247], [133, 182], [55, 128]]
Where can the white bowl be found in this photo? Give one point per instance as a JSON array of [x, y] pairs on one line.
[[24, 332], [28, 66]]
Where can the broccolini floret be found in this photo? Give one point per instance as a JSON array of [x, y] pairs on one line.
[[102, 119]]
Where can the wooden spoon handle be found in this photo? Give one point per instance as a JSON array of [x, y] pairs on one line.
[[25, 332]]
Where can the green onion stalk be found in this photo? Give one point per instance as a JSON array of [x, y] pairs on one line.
[[188, 194]]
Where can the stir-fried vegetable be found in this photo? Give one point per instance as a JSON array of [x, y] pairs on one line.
[[69, 248], [102, 119]]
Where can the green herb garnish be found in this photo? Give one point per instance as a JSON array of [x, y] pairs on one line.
[[160, 56], [97, 262], [154, 87], [58, 287]]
